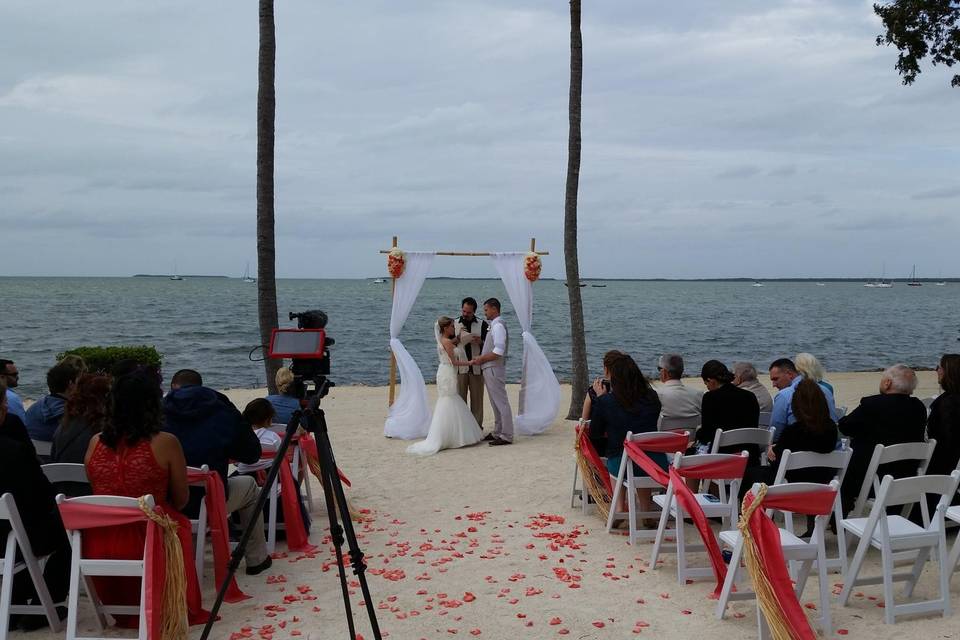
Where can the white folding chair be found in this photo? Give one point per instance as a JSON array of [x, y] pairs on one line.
[[795, 549], [836, 460], [199, 527], [724, 507], [953, 514], [10, 566], [629, 483], [65, 472], [765, 417], [690, 424], [580, 492], [910, 451], [299, 465], [892, 533], [841, 412], [82, 567], [760, 437], [42, 448]]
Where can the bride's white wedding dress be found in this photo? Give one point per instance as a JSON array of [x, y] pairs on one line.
[[453, 425]]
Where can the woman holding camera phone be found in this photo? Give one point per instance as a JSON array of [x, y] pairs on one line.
[[626, 403]]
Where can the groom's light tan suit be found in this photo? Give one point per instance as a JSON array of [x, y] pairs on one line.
[[495, 378]]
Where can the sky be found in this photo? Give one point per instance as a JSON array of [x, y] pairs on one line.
[[758, 138]]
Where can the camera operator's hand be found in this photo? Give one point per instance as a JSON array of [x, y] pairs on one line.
[[598, 387]]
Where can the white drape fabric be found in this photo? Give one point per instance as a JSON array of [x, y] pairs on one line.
[[409, 417], [539, 386]]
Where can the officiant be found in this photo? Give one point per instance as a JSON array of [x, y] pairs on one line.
[[471, 331]]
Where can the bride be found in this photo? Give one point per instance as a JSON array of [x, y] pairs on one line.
[[453, 425]]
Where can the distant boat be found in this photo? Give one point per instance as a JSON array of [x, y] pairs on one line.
[[175, 276], [246, 274], [757, 284], [598, 286], [379, 281], [582, 285], [882, 283], [941, 283], [913, 282], [820, 284]]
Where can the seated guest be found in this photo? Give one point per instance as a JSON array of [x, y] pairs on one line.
[[809, 367], [10, 424], [725, 406], [812, 429], [597, 437], [786, 378], [11, 376], [283, 401], [84, 415], [629, 405], [21, 476], [891, 417], [132, 457], [679, 403], [44, 416], [213, 433], [259, 414], [745, 377], [944, 421]]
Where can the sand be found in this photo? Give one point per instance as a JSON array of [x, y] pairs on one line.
[[482, 542]]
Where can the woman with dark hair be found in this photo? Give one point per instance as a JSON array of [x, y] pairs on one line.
[[813, 431], [132, 457], [943, 424], [725, 405], [598, 437], [84, 416], [630, 404]]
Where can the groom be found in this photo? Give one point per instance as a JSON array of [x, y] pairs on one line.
[[493, 364]]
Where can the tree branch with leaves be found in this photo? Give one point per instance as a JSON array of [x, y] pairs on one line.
[[921, 29]]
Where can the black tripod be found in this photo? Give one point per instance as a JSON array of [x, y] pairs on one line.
[[313, 421]]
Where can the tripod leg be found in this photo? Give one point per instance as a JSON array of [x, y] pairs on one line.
[[336, 536], [332, 483]]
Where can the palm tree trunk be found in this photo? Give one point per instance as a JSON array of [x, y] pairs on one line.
[[577, 335], [266, 245]]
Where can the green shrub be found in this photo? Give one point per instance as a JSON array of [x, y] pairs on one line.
[[103, 358]]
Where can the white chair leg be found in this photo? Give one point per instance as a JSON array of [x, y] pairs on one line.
[[826, 624], [102, 621], [850, 578], [681, 547], [573, 492], [6, 587], [945, 572], [617, 492], [886, 562], [73, 598], [841, 541], [954, 555], [43, 594], [142, 635], [305, 466], [922, 556], [632, 512], [662, 527], [272, 521], [730, 581], [200, 544]]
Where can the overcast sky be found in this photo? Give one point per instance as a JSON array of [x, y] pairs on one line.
[[757, 138]]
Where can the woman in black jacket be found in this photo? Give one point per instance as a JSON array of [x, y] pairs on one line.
[[724, 406], [944, 421]]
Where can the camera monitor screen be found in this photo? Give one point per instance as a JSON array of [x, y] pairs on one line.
[[297, 343]]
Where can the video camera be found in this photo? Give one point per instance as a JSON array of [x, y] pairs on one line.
[[307, 346]]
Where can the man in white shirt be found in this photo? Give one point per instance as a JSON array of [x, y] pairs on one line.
[[493, 363], [471, 332], [679, 404]]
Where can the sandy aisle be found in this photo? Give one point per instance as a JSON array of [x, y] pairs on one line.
[[495, 523]]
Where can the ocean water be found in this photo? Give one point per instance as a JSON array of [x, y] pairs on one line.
[[210, 324]]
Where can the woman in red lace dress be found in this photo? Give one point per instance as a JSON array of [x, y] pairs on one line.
[[131, 457]]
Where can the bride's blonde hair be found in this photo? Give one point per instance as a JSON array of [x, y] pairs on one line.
[[443, 322]]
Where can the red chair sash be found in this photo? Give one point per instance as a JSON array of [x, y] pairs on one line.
[[667, 442], [79, 517], [292, 517], [215, 500], [590, 453], [766, 537], [309, 445]]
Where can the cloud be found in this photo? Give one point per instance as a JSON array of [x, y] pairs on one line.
[[736, 173], [938, 194]]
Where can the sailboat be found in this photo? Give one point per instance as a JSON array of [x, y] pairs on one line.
[[913, 282], [940, 281], [757, 283], [882, 283], [246, 274], [175, 276]]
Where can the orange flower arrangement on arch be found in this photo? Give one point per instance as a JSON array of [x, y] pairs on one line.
[[532, 266], [396, 263]]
